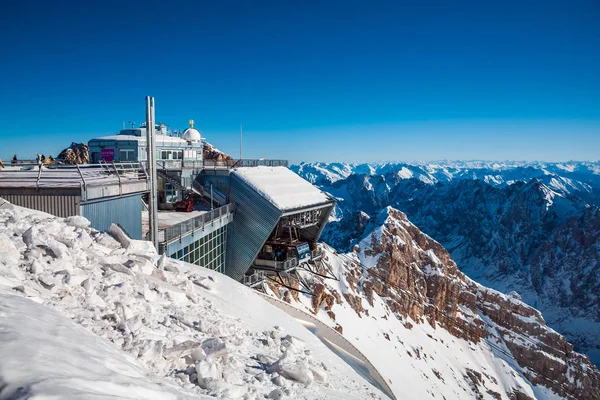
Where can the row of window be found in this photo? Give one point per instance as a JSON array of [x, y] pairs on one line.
[[207, 252]]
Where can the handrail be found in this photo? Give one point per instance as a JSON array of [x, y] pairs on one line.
[[256, 277], [37, 182], [183, 228], [84, 183], [317, 253], [232, 163], [84, 175]]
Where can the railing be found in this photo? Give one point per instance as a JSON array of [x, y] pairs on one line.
[[179, 164], [244, 163], [129, 169], [286, 265], [68, 175], [316, 254], [254, 279], [183, 228]]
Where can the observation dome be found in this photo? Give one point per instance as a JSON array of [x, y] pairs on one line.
[[192, 134]]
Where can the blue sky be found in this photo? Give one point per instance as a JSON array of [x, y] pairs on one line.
[[309, 80]]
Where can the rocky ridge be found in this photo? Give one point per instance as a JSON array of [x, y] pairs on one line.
[[538, 239], [398, 276]]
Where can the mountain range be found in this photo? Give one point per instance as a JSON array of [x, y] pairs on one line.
[[531, 229]]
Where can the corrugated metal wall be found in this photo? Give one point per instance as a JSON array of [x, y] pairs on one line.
[[126, 211], [220, 180], [254, 220], [59, 205]]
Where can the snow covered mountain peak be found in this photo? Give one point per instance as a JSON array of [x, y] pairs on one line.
[[403, 302], [533, 228]]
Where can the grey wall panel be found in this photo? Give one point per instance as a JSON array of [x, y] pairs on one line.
[[59, 205], [313, 233], [220, 180], [126, 211], [254, 220]]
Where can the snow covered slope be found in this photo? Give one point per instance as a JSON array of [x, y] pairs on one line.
[[538, 235], [141, 326], [434, 333]]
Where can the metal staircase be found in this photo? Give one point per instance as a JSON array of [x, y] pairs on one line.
[[176, 181]]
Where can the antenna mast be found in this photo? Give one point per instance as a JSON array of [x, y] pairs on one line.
[[151, 156], [240, 141]]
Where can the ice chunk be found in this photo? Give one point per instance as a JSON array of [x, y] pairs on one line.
[[77, 221], [214, 347], [208, 371]]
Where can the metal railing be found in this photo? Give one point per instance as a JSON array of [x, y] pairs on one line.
[[286, 265], [244, 163], [179, 164], [256, 278], [69, 175], [317, 253], [186, 227]]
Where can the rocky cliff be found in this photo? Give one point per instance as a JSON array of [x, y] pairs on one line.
[[538, 237], [402, 300]]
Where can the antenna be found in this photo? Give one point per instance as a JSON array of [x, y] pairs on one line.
[[240, 141], [152, 181], [132, 124]]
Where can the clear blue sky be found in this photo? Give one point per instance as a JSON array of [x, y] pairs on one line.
[[310, 80]]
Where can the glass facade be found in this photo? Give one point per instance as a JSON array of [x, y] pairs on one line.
[[207, 252]]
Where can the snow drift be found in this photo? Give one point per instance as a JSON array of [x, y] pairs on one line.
[[143, 326]]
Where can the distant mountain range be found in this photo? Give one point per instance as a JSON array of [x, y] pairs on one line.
[[533, 228]]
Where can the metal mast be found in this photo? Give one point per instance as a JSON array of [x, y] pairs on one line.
[[150, 146], [240, 141]]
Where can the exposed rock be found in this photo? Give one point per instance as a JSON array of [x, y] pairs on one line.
[[77, 153], [418, 281], [210, 152]]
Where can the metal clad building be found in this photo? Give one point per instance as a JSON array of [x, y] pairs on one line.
[[263, 198], [61, 205], [126, 211], [255, 219], [102, 194]]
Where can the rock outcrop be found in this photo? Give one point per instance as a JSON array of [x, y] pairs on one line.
[[533, 229], [77, 153], [420, 285], [210, 152]]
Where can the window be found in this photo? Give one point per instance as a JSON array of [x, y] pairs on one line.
[[208, 251], [127, 155]]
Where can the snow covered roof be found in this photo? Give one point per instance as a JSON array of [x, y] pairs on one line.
[[61, 177], [282, 187]]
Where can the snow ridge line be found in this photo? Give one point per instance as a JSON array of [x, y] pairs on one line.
[[345, 344]]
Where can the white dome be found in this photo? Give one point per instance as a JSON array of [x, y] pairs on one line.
[[191, 135]]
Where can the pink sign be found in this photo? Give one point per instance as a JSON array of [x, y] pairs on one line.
[[108, 154]]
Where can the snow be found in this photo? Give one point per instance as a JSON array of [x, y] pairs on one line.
[[405, 173], [282, 187], [119, 316], [417, 360], [67, 361]]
